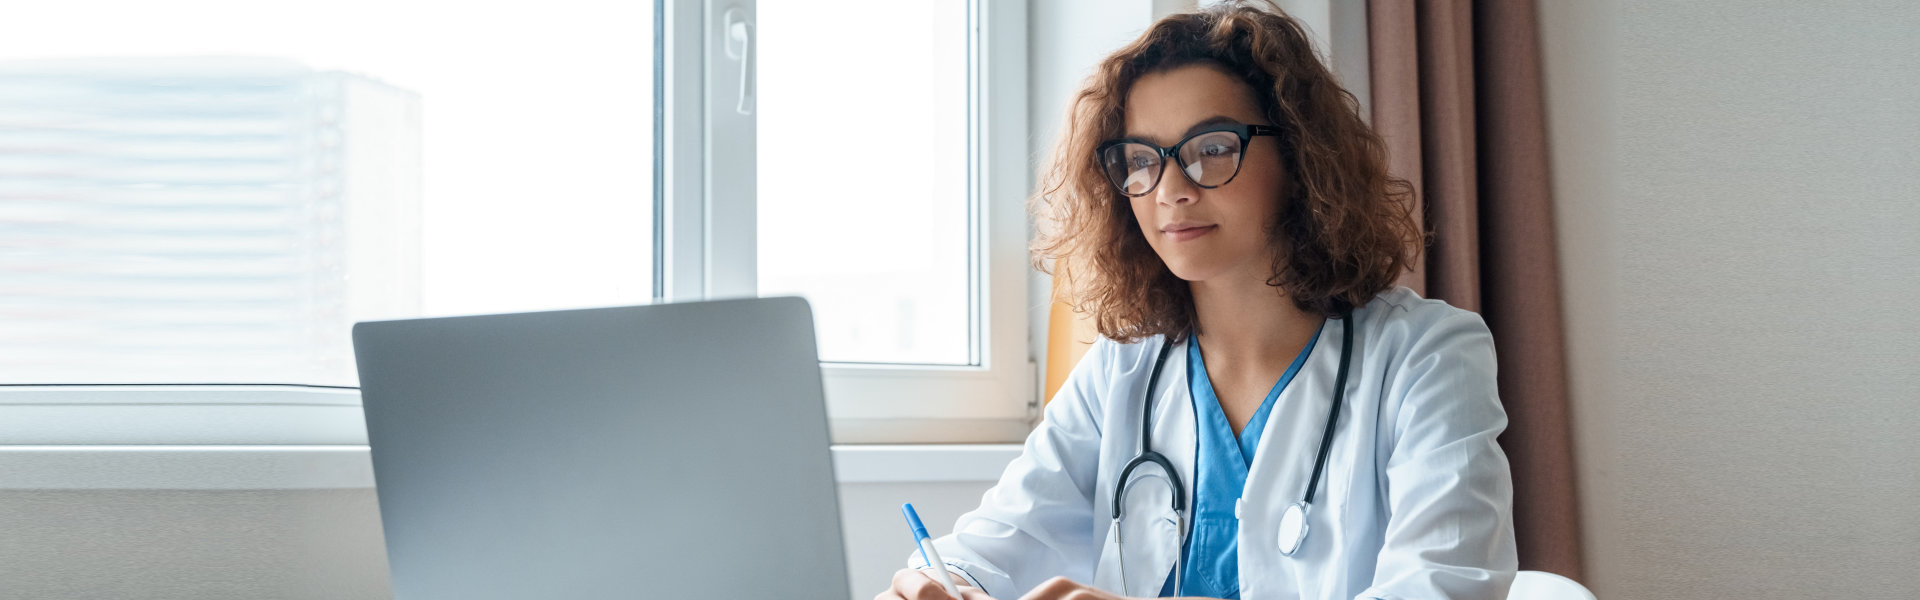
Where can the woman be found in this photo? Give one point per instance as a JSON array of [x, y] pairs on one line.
[[1221, 210]]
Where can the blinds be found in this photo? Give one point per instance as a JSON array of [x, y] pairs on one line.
[[201, 220]]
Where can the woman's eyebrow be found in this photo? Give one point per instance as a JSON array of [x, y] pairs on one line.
[[1203, 124], [1209, 122]]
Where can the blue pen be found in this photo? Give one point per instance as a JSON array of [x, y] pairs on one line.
[[927, 552]]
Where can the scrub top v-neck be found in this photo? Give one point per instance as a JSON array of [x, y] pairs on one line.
[[1222, 460]]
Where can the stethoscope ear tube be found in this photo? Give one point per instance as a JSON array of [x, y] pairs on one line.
[[1339, 396], [1296, 534], [1147, 455]]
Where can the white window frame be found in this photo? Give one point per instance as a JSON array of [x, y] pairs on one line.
[[998, 400], [711, 250], [708, 251], [113, 420], [709, 225]]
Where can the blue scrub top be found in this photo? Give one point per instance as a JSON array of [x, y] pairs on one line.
[[1213, 546]]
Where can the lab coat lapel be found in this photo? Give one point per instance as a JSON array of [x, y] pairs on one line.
[[1291, 441], [1176, 437], [1174, 432], [1152, 533], [1284, 462]]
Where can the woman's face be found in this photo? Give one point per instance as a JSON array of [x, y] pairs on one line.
[[1217, 234]]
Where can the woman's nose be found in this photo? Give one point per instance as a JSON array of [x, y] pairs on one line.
[[1175, 187]]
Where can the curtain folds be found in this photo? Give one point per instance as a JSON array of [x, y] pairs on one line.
[[1457, 97]]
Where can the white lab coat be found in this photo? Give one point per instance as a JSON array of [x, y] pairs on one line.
[[1416, 501]]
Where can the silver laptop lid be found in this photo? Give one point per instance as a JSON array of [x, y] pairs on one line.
[[670, 451]]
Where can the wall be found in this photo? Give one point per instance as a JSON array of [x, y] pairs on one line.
[[876, 535], [192, 544], [1739, 233], [319, 544]]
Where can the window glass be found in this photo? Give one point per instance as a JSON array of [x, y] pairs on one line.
[[864, 196], [204, 191]]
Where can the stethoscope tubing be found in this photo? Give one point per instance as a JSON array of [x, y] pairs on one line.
[[1148, 456]]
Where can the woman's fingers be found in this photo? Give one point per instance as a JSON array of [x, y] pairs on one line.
[[973, 593], [1061, 588], [912, 584]]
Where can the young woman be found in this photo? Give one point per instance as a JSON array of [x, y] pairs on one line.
[[1267, 415]]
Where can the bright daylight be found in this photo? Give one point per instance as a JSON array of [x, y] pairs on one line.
[[958, 299]]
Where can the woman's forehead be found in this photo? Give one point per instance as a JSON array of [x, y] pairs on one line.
[[1163, 106]]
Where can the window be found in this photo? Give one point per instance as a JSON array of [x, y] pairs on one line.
[[891, 194], [869, 217], [209, 191]]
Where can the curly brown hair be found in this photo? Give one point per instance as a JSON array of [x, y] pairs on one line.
[[1343, 234]]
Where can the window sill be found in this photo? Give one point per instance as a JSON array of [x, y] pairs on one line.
[[180, 415], [280, 437], [184, 467], [900, 463], [348, 467]]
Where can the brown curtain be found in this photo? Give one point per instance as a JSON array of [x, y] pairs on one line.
[[1456, 92]]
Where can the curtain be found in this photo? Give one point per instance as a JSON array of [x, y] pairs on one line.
[[1456, 90], [1069, 336]]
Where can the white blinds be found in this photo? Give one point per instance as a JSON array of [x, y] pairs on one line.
[[200, 220]]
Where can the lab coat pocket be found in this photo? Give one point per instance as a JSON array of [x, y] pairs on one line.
[[1149, 540]]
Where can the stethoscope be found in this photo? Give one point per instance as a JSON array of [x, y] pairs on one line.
[[1293, 523]]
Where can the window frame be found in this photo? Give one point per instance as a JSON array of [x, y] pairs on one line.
[[996, 400], [708, 224], [79, 415], [705, 230]]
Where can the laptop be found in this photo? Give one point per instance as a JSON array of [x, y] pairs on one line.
[[666, 451]]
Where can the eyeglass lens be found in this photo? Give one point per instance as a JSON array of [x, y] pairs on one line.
[[1210, 160]]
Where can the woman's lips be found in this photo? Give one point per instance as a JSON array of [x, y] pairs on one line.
[[1181, 235]]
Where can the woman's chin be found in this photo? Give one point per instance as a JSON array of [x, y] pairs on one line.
[[1191, 272]]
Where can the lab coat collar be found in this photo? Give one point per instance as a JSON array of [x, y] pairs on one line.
[[1296, 424]]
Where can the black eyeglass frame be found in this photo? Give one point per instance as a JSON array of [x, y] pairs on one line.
[[1246, 133]]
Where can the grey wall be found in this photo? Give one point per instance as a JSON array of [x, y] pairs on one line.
[[876, 534], [214, 545], [1738, 197], [318, 544]]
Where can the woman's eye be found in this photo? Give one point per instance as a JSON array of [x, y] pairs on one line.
[[1215, 150], [1142, 161]]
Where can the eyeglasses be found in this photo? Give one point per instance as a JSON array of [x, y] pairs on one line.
[[1210, 158]]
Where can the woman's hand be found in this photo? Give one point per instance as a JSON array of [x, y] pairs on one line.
[[912, 584], [1061, 588]]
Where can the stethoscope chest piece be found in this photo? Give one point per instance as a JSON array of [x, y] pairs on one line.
[[1293, 527], [1293, 522]]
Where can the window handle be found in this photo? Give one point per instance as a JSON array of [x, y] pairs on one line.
[[739, 33]]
